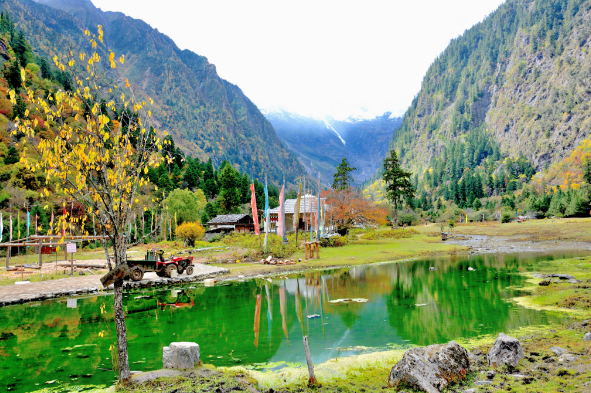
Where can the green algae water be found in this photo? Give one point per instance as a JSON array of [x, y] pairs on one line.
[[260, 322]]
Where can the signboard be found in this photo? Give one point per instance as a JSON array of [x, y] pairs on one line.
[[71, 247], [72, 303], [48, 250]]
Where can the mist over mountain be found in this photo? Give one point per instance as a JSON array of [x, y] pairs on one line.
[[207, 116], [321, 143]]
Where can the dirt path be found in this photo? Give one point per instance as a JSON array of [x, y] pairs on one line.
[[37, 291], [512, 244]]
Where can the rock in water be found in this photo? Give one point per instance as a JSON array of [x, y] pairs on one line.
[[506, 350], [431, 368], [183, 355]]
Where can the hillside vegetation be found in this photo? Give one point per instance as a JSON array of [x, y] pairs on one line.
[[181, 189], [506, 101], [207, 116]]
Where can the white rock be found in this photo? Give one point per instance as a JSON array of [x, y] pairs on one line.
[[182, 355], [506, 350], [471, 269], [587, 337], [558, 351]]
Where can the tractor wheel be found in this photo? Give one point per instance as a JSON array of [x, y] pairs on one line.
[[169, 269], [189, 270], [136, 273], [160, 273]]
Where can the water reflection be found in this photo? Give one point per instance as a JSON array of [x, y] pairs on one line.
[[406, 304]]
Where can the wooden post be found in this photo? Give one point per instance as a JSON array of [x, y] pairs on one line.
[[317, 250], [312, 380], [40, 255], [71, 263], [8, 257]]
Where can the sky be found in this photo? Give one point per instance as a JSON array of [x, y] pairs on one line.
[[340, 58]]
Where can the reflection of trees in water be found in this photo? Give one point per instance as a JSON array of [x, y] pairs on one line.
[[456, 300]]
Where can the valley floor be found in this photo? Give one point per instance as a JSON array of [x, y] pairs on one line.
[[540, 370]]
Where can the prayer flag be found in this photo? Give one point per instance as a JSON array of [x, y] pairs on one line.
[[10, 227], [18, 225], [281, 217], [296, 210], [253, 206], [1, 225], [51, 223], [28, 223]]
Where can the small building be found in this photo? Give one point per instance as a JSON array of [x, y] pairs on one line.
[[226, 223], [307, 202]]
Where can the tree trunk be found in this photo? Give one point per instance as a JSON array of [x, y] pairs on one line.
[[395, 214], [124, 374]]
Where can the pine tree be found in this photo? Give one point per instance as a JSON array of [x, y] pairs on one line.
[[343, 178], [397, 181], [12, 156]]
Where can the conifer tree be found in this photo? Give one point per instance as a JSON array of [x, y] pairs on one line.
[[342, 177], [397, 181]]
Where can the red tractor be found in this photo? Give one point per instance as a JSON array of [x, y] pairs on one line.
[[155, 262]]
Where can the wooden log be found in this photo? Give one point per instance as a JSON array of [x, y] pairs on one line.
[[312, 381], [119, 273]]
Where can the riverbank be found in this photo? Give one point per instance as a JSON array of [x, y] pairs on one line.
[[480, 238], [556, 358]]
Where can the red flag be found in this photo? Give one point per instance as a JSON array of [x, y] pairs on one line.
[[255, 215]]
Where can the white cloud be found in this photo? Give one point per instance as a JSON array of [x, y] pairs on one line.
[[315, 57]]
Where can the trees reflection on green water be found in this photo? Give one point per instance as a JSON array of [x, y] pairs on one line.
[[263, 320]]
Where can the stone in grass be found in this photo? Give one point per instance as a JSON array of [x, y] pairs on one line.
[[181, 355], [431, 368], [558, 351], [506, 350], [587, 337]]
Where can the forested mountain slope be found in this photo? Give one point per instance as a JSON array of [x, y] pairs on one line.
[[518, 83], [321, 143], [207, 116]]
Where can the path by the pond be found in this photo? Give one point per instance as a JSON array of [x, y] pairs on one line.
[[43, 290], [481, 244]]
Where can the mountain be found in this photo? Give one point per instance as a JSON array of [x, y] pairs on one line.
[[518, 82], [207, 116], [321, 143]]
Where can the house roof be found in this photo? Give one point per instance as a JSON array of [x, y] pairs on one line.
[[310, 202], [227, 218]]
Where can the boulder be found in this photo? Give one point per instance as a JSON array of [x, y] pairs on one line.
[[431, 368], [587, 337], [506, 350], [544, 283], [181, 355], [558, 351]]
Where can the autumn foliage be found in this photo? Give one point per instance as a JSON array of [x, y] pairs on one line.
[[190, 231], [349, 207]]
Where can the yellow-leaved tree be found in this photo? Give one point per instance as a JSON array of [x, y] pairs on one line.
[[99, 149], [190, 231]]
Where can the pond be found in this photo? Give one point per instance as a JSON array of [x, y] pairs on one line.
[[262, 321]]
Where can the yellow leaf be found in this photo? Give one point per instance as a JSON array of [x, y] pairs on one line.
[[23, 74], [126, 82], [122, 59]]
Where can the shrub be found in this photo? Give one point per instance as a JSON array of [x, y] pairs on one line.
[[506, 217], [254, 244], [390, 234], [190, 231], [334, 241], [408, 218]]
